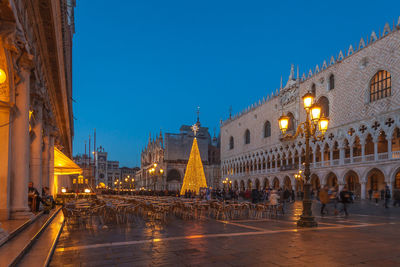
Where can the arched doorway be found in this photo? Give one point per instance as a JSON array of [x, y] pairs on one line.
[[258, 187], [276, 183], [249, 185], [287, 183], [236, 185], [266, 183], [315, 183], [396, 181], [331, 180], [299, 185], [241, 185], [376, 180], [353, 183]]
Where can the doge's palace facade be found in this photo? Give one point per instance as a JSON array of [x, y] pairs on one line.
[[359, 90]]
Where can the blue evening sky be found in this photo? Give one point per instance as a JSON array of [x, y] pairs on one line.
[[142, 66]]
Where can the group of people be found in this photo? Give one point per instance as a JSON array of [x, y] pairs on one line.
[[34, 198], [333, 196], [384, 194]]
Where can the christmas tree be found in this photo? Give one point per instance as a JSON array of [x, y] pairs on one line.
[[194, 175]]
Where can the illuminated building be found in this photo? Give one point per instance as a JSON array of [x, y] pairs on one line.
[[359, 90]]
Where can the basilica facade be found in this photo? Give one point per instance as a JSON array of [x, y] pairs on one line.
[[359, 90], [36, 120], [164, 159]]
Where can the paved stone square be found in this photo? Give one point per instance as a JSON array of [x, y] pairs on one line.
[[368, 237]]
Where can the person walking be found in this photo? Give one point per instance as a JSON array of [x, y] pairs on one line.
[[388, 196], [324, 198], [273, 201], [370, 193], [345, 199], [376, 197]]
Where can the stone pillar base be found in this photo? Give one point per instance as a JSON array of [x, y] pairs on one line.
[[4, 215], [3, 235], [21, 214]]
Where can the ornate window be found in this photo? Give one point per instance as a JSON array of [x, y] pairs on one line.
[[291, 126], [331, 82], [231, 143], [324, 103], [313, 89], [380, 85], [247, 137], [267, 129]]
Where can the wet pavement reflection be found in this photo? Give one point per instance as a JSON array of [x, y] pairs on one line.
[[369, 236]]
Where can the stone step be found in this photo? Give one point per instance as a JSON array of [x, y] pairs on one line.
[[41, 251], [14, 249]]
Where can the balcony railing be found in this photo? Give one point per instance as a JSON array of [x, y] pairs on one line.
[[355, 160]]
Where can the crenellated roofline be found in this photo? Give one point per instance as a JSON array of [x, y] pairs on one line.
[[387, 30]]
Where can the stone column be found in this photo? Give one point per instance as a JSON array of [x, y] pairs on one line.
[[363, 150], [363, 190], [341, 185], [314, 158], [5, 159], [375, 150], [46, 159], [36, 146], [20, 145], [299, 161], [351, 154], [322, 157], [389, 148], [331, 156], [341, 155], [51, 165]]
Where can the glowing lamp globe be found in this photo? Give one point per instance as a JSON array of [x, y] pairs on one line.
[[315, 112], [283, 123], [308, 100], [323, 124], [3, 76]]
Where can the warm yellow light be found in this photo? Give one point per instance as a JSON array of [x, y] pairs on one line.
[[120, 182], [194, 178], [115, 183], [161, 171], [283, 123], [3, 76], [155, 165], [87, 190], [308, 100], [315, 112], [126, 179], [323, 124], [133, 180], [63, 190]]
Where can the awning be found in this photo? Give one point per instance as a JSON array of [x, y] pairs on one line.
[[64, 165]]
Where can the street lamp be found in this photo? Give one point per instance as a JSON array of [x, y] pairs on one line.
[[314, 127]]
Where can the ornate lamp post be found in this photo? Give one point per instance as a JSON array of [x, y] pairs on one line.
[[314, 127]]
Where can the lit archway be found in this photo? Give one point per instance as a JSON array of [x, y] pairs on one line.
[[375, 180], [287, 183], [353, 183], [266, 183], [276, 183], [315, 183], [331, 180]]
